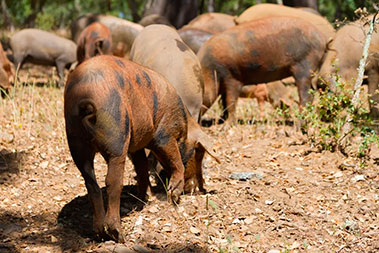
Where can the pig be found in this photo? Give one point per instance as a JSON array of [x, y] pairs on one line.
[[41, 47], [123, 31], [251, 53], [212, 22], [273, 92], [6, 71], [95, 39], [160, 48], [119, 108], [343, 58], [154, 19], [194, 37], [259, 11]]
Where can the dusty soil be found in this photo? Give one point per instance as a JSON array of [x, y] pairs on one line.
[[296, 200]]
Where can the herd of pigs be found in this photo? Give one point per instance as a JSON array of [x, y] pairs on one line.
[[147, 88]]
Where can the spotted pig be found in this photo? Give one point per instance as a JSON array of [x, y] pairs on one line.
[[95, 39], [256, 52], [119, 108], [6, 71]]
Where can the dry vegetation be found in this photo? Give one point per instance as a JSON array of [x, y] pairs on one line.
[[297, 200]]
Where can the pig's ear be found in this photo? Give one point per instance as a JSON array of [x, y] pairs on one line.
[[196, 135], [206, 142]]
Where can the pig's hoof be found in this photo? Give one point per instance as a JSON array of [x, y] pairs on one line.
[[114, 233], [174, 196]]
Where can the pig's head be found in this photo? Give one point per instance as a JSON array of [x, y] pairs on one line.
[[199, 143]]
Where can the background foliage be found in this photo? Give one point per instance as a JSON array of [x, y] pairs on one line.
[[52, 14]]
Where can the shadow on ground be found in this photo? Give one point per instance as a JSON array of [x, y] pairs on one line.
[[77, 215], [10, 164]]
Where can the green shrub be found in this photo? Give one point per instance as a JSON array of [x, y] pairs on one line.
[[323, 121], [44, 21]]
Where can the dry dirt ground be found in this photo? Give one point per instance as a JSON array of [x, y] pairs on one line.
[[296, 200]]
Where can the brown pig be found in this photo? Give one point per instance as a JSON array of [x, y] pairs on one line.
[[119, 108], [194, 37], [212, 22], [261, 51], [41, 47], [265, 10], [6, 71], [123, 31], [95, 39], [343, 59], [273, 92]]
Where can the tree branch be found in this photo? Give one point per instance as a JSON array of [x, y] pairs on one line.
[[346, 129]]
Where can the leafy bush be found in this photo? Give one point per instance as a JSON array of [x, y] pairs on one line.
[[45, 21], [323, 121]]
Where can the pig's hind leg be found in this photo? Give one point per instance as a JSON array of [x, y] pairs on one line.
[[83, 157]]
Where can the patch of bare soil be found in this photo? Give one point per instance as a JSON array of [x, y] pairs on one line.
[[290, 199]]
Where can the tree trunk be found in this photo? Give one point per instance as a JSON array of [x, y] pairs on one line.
[[178, 12], [302, 3], [347, 127], [211, 6], [36, 6], [7, 21], [133, 7], [109, 5]]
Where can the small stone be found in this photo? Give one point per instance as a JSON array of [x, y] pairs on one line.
[[273, 251], [236, 221], [6, 137], [44, 164], [139, 221], [269, 202], [358, 178], [195, 231], [338, 174], [53, 239], [249, 220]]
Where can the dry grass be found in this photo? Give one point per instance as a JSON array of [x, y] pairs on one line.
[[288, 205]]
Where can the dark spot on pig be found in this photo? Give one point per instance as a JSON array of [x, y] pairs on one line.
[[253, 65], [146, 76], [155, 106], [106, 45], [127, 124], [91, 76], [183, 47], [233, 36], [301, 48], [110, 123], [119, 63], [113, 105], [94, 35], [120, 79], [250, 36], [161, 138], [130, 84], [254, 53], [184, 153], [272, 67], [182, 109], [138, 80]]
